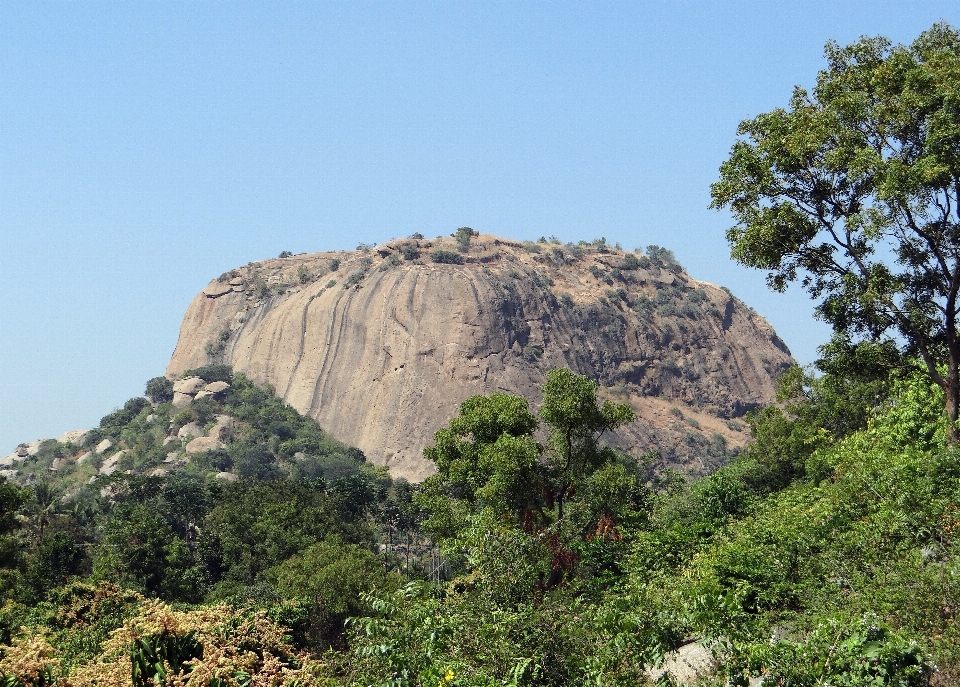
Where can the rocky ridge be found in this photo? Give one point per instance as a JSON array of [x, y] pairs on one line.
[[381, 345]]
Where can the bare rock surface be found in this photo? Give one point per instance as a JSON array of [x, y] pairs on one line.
[[110, 464], [687, 664], [190, 385], [103, 446], [382, 351], [75, 436], [190, 430], [201, 444]]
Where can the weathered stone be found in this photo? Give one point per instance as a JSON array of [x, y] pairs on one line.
[[201, 444], [169, 440], [74, 436], [690, 662], [227, 476], [236, 281], [181, 400], [216, 387], [189, 430], [216, 289], [190, 385], [385, 365], [84, 458], [223, 430], [109, 465], [157, 472], [104, 445], [172, 457]]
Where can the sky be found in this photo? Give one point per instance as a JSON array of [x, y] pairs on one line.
[[147, 147]]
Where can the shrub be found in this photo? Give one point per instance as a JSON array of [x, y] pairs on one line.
[[416, 236], [630, 262], [355, 278], [159, 390], [446, 257], [286, 254], [303, 275], [532, 353], [531, 247], [391, 261], [364, 247], [334, 264], [212, 373], [409, 252], [566, 300], [331, 284], [463, 236]]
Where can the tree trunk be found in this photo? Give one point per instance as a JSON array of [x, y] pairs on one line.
[[951, 395]]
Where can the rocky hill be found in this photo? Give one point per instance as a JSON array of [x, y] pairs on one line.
[[380, 345]]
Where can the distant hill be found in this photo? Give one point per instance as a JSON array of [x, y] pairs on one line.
[[381, 345]]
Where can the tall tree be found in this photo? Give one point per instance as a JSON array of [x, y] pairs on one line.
[[855, 189]]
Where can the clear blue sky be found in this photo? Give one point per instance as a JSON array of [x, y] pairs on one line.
[[146, 147]]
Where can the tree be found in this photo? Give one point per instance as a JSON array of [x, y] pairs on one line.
[[856, 186], [505, 498], [159, 390], [576, 422]]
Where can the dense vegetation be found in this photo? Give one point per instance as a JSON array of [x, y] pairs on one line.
[[530, 558]]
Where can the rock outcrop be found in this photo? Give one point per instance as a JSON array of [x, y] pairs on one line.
[[382, 346]]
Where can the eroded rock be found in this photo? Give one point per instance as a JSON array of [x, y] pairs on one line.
[[385, 364]]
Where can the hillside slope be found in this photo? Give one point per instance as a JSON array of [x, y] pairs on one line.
[[381, 346]]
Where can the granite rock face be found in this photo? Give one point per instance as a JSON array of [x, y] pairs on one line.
[[382, 351]]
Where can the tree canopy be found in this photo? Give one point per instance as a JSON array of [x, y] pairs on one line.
[[855, 190]]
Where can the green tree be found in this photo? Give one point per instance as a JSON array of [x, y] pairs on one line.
[[576, 421], [159, 390], [505, 499], [330, 576], [856, 186]]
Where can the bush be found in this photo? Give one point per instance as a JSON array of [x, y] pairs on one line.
[[159, 390], [354, 278], [212, 373], [630, 262], [532, 353], [391, 261], [334, 264], [286, 254], [409, 252], [463, 236], [446, 257]]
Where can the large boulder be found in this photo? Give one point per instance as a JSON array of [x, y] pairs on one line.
[[74, 436], [104, 446], [181, 400], [190, 385], [109, 465], [385, 363], [190, 430], [201, 444], [213, 389]]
